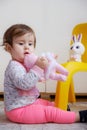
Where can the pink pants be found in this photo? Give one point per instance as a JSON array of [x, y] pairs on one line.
[[42, 111]]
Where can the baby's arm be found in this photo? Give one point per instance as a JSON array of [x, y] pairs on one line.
[[19, 77]]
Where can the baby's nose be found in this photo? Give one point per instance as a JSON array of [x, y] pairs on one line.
[[26, 46]]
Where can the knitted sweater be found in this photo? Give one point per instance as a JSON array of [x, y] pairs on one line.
[[20, 86]]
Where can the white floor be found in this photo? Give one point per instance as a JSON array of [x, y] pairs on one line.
[[5, 124]]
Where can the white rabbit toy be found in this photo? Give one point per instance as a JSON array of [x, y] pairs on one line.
[[76, 49]]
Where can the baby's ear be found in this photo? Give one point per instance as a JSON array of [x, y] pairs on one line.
[[7, 47]]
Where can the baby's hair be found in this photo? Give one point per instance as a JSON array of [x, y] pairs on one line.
[[17, 30]]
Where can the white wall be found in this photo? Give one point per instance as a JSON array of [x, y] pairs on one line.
[[52, 21]]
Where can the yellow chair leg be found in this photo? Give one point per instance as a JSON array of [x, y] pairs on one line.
[[61, 99], [71, 93], [65, 90]]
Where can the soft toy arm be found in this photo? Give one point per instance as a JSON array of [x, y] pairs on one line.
[[60, 73]]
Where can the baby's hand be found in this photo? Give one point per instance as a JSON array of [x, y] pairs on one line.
[[42, 62]]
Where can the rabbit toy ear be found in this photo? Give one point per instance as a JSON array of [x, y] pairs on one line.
[[79, 37], [74, 38]]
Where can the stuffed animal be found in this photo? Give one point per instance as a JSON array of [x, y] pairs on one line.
[[76, 49], [54, 70]]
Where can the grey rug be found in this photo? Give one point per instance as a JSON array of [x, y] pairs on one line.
[[5, 124]]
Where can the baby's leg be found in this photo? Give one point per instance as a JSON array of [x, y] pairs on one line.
[[34, 114]]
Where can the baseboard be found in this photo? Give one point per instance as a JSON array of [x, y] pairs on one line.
[[1, 96], [76, 94], [1, 93], [81, 94], [51, 96]]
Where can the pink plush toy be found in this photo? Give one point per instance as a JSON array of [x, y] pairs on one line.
[[54, 70]]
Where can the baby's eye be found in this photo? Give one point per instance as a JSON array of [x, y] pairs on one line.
[[30, 44], [20, 43]]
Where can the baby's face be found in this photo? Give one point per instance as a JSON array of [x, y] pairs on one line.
[[22, 45]]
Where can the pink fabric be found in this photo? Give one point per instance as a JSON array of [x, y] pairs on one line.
[[37, 70], [30, 60], [42, 111]]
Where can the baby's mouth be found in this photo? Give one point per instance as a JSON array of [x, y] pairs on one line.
[[26, 53]]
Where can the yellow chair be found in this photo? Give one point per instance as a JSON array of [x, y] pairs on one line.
[[65, 90]]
